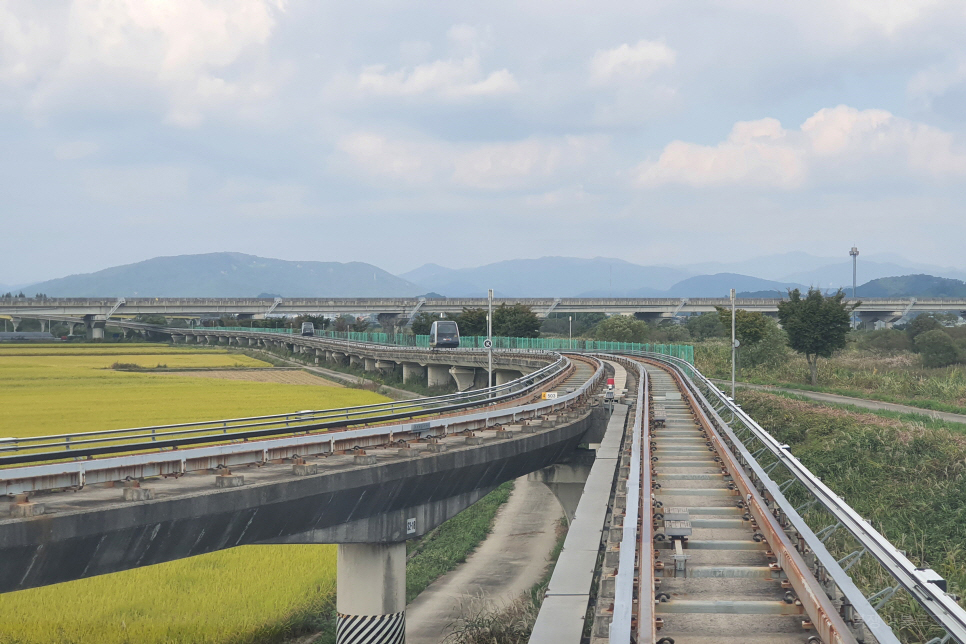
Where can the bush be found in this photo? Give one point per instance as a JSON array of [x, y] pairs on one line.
[[937, 349], [885, 340], [922, 324], [771, 350], [705, 326]]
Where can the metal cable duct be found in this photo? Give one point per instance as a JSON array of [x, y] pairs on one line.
[[942, 608]]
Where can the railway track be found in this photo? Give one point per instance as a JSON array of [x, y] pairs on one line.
[[716, 581]]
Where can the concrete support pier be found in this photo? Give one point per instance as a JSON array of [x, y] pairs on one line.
[[370, 364], [413, 371], [464, 377], [371, 593], [503, 376], [438, 375]]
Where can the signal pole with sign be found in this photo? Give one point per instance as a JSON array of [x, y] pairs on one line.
[[489, 337]]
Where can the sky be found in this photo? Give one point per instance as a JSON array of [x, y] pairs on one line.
[[401, 133]]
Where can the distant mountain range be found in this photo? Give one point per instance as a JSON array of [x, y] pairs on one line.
[[239, 275], [229, 275], [546, 277]]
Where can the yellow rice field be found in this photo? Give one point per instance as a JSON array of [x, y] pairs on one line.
[[66, 389], [246, 594]]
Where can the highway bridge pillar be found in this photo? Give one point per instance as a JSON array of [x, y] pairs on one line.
[[413, 371], [437, 375], [464, 377], [96, 329], [385, 366], [371, 364], [356, 361], [503, 376], [338, 357], [371, 593]]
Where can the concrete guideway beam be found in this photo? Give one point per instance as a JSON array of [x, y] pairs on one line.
[[371, 593]]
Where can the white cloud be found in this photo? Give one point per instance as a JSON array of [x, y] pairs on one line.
[[451, 79], [184, 50], [494, 166], [835, 145], [640, 60], [75, 150]]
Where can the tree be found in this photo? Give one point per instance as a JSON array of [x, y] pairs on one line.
[[423, 322], [707, 325], [922, 324], [388, 322], [816, 325], [622, 328], [750, 326], [516, 321], [473, 322], [937, 348], [361, 325], [342, 323]]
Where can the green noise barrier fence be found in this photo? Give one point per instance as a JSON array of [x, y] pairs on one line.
[[683, 351]]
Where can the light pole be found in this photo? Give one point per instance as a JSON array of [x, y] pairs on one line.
[[571, 318], [489, 336], [734, 344], [854, 254]]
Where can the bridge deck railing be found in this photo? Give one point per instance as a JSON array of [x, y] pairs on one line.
[[683, 351]]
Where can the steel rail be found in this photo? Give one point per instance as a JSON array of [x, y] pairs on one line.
[[84, 472], [429, 404], [635, 544], [941, 607]]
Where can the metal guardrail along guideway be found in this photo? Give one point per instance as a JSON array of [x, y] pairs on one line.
[[751, 461]]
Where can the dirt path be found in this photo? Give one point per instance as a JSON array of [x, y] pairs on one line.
[[865, 403], [513, 558]]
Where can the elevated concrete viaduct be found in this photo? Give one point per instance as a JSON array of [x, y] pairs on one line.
[[93, 310], [467, 368]]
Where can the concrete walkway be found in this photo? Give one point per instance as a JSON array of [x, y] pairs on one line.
[[876, 405], [509, 562]]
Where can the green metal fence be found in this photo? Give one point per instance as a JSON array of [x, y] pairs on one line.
[[683, 351]]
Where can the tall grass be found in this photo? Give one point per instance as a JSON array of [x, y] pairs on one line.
[[907, 480], [898, 377]]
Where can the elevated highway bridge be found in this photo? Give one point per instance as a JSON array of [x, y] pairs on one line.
[[692, 523], [95, 311]]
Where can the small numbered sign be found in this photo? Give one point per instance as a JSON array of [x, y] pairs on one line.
[[410, 526], [549, 395], [487, 344]]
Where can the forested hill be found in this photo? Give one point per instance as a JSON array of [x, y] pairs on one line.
[[230, 275], [913, 286]]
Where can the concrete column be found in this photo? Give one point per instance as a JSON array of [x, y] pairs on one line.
[[371, 364], [210, 339], [437, 375], [464, 377], [503, 376], [356, 361], [175, 338], [371, 593], [16, 323], [385, 366], [97, 330], [413, 371]]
